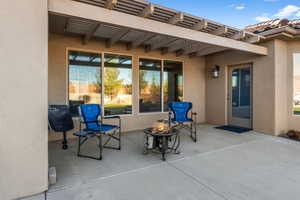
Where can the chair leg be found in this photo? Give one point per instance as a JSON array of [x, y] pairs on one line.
[[100, 146], [119, 138], [79, 145], [193, 132], [82, 140], [116, 135], [64, 142]]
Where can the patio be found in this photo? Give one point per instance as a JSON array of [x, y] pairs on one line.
[[222, 165]]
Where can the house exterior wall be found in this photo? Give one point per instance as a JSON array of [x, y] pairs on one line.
[[272, 87], [281, 87], [263, 88], [23, 98], [193, 70]]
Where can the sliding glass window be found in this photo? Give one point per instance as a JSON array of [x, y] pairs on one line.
[[117, 84], [150, 85], [84, 79], [296, 100], [172, 82]]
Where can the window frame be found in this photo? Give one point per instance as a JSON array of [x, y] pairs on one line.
[[293, 84], [161, 79], [102, 53], [132, 81]]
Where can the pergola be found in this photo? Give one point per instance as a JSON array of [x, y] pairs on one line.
[[139, 23]]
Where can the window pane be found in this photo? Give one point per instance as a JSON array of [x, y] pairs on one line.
[[172, 82], [241, 93], [117, 84], [297, 83], [84, 79], [150, 85]]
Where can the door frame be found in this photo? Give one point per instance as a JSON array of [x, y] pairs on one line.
[[239, 121]]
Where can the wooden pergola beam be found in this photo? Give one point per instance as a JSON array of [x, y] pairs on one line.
[[90, 34], [202, 25], [195, 50], [239, 35], [147, 48], [180, 52], [208, 50], [253, 39], [220, 31], [111, 41], [164, 50], [67, 24], [110, 4], [176, 18], [163, 44], [138, 42], [103, 15], [147, 11]]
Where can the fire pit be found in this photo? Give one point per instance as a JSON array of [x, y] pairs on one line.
[[162, 138]]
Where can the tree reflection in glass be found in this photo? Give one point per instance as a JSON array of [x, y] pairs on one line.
[[117, 84], [150, 85], [84, 79]]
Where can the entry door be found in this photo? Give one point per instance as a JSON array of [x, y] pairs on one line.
[[240, 96]]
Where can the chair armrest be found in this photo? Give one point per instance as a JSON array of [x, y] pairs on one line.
[[112, 117], [86, 122], [194, 116], [115, 117]]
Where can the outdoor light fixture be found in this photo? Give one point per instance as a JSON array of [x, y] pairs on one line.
[[215, 73]]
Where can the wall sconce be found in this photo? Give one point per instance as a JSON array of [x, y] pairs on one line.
[[215, 72]]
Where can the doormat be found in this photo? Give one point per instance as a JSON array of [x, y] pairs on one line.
[[234, 129]]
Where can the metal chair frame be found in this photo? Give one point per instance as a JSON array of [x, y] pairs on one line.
[[84, 134]]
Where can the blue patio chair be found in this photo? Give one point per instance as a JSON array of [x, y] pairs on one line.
[[179, 115], [92, 120]]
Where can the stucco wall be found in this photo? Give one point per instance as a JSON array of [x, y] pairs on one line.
[[281, 87], [194, 77], [293, 120], [272, 87], [263, 88], [23, 98]]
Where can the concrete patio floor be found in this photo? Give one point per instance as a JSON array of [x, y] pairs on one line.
[[222, 165]]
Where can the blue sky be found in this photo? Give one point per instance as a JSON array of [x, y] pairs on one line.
[[236, 13]]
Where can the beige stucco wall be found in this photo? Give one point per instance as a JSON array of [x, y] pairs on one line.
[[194, 77], [23, 98], [263, 88], [272, 87], [281, 86], [293, 120]]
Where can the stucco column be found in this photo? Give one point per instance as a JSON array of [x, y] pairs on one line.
[[23, 98]]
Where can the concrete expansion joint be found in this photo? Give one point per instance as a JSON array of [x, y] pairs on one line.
[[199, 182]]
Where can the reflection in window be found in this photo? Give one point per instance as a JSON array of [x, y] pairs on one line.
[[296, 99], [241, 93], [172, 82], [117, 84], [150, 85], [84, 79]]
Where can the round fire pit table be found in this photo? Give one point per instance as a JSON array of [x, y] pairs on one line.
[[163, 142]]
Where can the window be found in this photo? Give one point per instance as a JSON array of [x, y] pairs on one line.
[[172, 82], [84, 79], [160, 83], [296, 100], [117, 84], [85, 82], [150, 85]]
